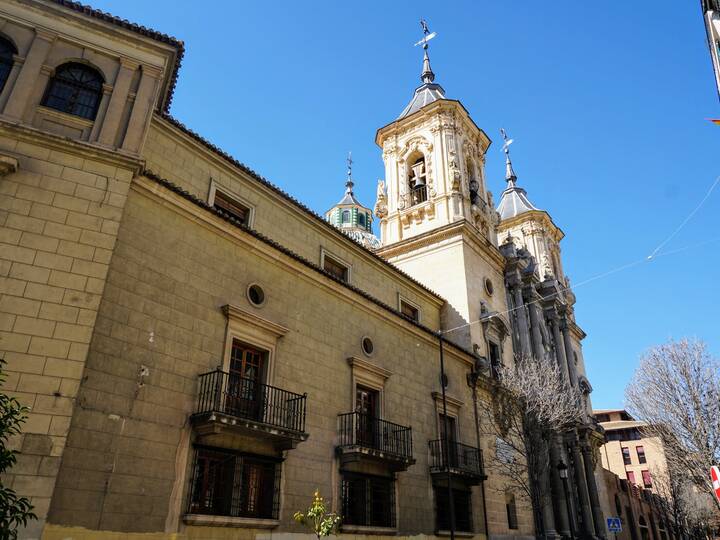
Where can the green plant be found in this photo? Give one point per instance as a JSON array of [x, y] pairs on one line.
[[317, 518], [14, 510]]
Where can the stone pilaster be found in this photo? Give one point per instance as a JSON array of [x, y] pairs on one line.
[[559, 345], [27, 78], [588, 527], [558, 491], [118, 99], [142, 108], [535, 322], [592, 489], [524, 329], [567, 343]]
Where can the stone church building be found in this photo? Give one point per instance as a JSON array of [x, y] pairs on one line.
[[200, 351]]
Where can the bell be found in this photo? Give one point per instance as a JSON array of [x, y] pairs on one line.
[[419, 173]]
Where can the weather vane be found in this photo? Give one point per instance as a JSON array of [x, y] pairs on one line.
[[508, 141], [427, 35], [349, 165]]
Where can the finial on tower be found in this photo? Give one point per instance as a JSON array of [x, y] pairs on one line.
[[427, 75], [349, 183], [510, 176]]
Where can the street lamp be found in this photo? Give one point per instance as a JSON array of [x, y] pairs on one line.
[[563, 472]]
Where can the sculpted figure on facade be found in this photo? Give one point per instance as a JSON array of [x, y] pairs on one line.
[[381, 200]]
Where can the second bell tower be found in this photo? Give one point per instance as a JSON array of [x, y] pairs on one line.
[[437, 218]]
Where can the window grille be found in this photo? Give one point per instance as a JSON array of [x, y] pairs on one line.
[[75, 89], [368, 500]]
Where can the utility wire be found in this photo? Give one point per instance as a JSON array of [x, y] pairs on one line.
[[654, 255]]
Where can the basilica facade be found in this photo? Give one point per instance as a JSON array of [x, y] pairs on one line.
[[198, 360]]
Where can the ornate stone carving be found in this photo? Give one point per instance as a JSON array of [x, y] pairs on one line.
[[381, 209]]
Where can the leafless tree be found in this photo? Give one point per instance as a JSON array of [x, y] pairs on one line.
[[532, 405], [676, 391]]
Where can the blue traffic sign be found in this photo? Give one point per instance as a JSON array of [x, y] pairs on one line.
[[614, 525]]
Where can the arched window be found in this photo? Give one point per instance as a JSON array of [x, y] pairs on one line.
[[417, 180], [345, 216], [7, 51], [361, 220], [75, 89]]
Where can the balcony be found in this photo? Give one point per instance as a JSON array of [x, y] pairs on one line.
[[464, 461], [363, 436], [418, 194], [231, 403]]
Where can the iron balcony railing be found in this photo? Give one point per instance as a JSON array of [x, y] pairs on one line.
[[226, 393], [464, 458], [418, 194], [367, 431]]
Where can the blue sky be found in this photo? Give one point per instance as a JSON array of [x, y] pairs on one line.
[[607, 106]]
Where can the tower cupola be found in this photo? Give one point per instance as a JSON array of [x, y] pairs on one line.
[[351, 216]]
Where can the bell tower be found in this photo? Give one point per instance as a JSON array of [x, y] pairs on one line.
[[437, 218], [434, 158]]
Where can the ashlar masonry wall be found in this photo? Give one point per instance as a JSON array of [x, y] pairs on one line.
[[127, 458]]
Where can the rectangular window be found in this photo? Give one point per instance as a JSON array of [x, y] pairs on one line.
[[641, 454], [368, 500], [602, 417], [226, 483], [626, 455], [462, 502], [336, 268], [232, 207], [511, 509], [631, 477], [407, 309], [647, 480], [495, 360]]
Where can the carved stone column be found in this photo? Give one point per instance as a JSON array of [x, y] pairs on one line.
[[588, 527], [524, 329], [142, 108], [26, 80], [118, 100], [558, 491], [554, 321], [547, 507], [535, 322], [569, 353], [593, 490]]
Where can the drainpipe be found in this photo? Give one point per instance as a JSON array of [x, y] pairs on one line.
[[445, 442], [473, 378]]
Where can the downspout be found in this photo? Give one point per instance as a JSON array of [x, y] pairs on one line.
[[473, 377]]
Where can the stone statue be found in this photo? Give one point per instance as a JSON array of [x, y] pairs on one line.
[[381, 202]]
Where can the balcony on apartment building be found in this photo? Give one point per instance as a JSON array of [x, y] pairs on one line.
[[364, 436], [462, 460], [228, 402]]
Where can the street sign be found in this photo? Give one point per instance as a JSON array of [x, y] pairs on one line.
[[715, 475], [614, 525]]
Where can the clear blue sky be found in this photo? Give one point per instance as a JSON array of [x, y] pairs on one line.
[[607, 105]]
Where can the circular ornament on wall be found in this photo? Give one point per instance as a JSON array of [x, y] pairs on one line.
[[256, 295], [489, 287], [367, 345]]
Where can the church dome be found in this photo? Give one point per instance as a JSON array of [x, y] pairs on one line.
[[351, 217]]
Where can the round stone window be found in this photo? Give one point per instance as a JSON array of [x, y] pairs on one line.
[[489, 288], [256, 295], [367, 346]]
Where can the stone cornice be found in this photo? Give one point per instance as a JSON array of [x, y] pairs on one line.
[[183, 203], [242, 315], [541, 215], [435, 236], [234, 167], [364, 365], [426, 113], [24, 133], [437, 396]]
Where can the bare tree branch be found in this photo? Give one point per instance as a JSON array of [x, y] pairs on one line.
[[676, 390]]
